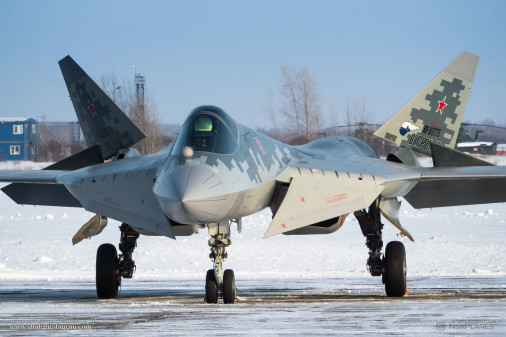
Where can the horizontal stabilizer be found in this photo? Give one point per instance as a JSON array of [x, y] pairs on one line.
[[84, 158], [446, 157], [41, 195], [442, 193], [312, 199], [453, 186]]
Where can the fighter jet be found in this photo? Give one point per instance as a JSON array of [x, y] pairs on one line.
[[218, 171]]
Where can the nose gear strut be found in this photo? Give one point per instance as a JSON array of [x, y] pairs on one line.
[[220, 283]]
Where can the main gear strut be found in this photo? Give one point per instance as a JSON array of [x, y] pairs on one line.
[[371, 226], [126, 246], [393, 265]]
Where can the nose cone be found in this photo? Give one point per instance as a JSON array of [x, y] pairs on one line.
[[192, 194]]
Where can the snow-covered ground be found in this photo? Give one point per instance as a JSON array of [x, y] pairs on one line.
[[451, 244]]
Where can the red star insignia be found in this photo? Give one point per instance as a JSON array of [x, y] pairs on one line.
[[442, 104], [283, 225], [91, 107]]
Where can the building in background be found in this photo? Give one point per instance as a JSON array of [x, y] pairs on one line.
[[18, 138]]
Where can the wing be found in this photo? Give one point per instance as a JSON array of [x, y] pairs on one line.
[[311, 199], [29, 176], [314, 194]]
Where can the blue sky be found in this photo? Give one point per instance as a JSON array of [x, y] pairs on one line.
[[229, 53]]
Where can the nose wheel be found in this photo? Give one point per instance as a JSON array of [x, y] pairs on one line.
[[211, 287], [220, 283]]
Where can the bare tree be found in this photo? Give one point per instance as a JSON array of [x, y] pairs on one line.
[[144, 114], [121, 93], [302, 106], [334, 120], [146, 118], [270, 111], [349, 116], [289, 91]]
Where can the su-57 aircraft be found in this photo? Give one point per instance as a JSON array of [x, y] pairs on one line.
[[218, 171]]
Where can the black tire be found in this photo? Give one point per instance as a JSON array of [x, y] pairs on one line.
[[395, 269], [107, 272], [228, 287], [211, 287]]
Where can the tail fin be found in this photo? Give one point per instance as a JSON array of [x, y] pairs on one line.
[[102, 121], [435, 113]]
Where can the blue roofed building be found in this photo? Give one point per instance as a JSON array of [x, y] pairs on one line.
[[18, 138]]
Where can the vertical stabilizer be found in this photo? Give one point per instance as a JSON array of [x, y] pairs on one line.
[[435, 113], [102, 121]]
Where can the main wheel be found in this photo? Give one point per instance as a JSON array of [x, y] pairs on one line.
[[228, 286], [108, 278], [395, 269], [211, 287]]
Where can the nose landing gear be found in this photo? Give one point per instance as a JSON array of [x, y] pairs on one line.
[[220, 283]]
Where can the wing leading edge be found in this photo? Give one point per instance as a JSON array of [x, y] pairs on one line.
[[29, 176]]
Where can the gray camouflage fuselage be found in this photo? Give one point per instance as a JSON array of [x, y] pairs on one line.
[[168, 191]]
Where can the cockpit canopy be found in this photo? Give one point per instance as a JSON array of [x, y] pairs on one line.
[[208, 129]]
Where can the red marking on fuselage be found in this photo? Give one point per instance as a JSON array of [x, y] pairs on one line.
[[260, 146], [302, 199], [142, 202], [335, 198], [283, 225], [112, 201]]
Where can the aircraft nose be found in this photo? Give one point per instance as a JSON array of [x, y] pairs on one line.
[[192, 194]]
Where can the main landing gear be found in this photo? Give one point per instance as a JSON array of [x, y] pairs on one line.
[[220, 283], [111, 267], [392, 267]]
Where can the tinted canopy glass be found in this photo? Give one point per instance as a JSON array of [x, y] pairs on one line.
[[207, 131]]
